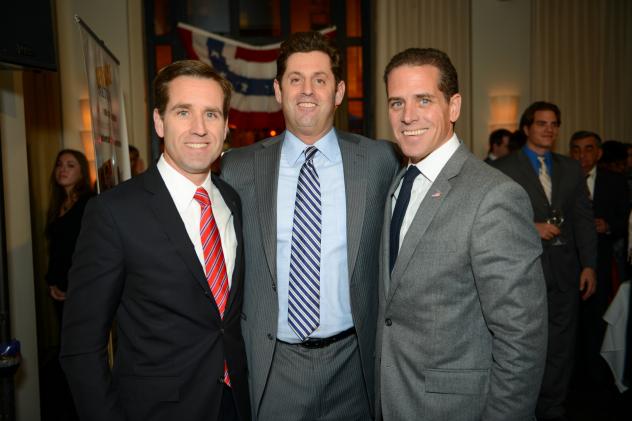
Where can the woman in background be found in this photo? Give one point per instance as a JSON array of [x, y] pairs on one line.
[[70, 191]]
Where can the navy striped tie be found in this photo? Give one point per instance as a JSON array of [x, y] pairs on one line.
[[304, 286]]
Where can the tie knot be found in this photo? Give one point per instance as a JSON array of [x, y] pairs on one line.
[[310, 151], [411, 173], [202, 197]]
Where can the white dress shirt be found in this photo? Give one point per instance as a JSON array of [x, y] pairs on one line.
[[590, 181], [430, 167], [182, 191]]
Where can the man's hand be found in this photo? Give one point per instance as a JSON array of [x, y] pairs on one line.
[[56, 293], [547, 231], [601, 225], [587, 282]]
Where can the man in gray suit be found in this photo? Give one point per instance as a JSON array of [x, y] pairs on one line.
[[312, 200], [462, 307]]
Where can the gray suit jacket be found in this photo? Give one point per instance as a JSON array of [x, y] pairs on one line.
[[462, 318], [369, 167], [561, 264]]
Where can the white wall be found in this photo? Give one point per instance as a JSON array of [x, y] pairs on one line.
[[500, 60], [119, 24], [18, 241]]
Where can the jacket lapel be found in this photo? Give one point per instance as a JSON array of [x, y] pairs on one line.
[[266, 185], [386, 231], [428, 208], [355, 173], [165, 210], [230, 199]]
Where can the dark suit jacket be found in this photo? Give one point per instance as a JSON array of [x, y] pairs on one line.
[[368, 167], [561, 264], [135, 262], [610, 202]]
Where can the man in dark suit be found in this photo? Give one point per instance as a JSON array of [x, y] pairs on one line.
[[609, 194], [498, 145], [462, 305], [163, 255], [563, 218], [313, 200]]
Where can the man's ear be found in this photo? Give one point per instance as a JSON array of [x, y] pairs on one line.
[[159, 124], [277, 92], [340, 92]]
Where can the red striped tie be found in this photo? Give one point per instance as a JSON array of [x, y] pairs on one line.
[[214, 263]]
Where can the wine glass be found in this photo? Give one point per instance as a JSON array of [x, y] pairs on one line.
[[556, 218]]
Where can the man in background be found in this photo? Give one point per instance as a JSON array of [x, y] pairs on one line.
[[498, 144], [608, 192], [563, 218]]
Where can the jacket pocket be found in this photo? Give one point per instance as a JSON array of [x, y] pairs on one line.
[[462, 382]]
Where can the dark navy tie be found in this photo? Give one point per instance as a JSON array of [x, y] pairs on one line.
[[304, 285], [400, 210]]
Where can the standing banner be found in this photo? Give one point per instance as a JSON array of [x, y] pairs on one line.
[[109, 129], [251, 70]]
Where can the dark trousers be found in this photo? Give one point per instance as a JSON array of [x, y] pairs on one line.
[[563, 308], [228, 410]]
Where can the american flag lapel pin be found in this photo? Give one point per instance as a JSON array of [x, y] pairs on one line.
[[436, 194]]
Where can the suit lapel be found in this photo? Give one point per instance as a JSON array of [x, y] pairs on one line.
[[355, 174], [165, 210], [231, 201], [556, 181], [266, 185], [428, 208], [386, 231]]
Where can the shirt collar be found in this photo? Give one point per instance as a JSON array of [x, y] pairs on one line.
[[593, 172], [327, 145], [181, 188], [431, 166]]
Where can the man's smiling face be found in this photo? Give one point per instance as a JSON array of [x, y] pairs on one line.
[[309, 95], [419, 113]]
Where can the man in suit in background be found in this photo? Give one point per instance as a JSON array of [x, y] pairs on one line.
[[313, 200], [163, 254], [462, 314], [557, 190], [498, 145], [608, 192]]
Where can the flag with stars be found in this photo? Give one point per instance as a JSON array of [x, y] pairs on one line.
[[251, 70]]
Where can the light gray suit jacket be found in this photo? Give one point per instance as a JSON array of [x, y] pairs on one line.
[[369, 167], [462, 324]]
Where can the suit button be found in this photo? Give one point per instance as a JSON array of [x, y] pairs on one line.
[[220, 380], [221, 331], [273, 287], [388, 322], [243, 317], [270, 336]]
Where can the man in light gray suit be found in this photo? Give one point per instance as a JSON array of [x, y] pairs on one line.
[[462, 304], [312, 202]]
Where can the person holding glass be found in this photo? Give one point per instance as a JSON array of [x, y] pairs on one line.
[[564, 219]]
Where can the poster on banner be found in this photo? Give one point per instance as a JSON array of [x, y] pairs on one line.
[[109, 130], [251, 70]]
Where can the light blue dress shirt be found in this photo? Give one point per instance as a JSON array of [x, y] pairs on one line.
[[335, 305]]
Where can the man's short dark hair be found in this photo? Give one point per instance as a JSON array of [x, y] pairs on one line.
[[582, 134], [306, 42], [496, 137], [448, 78], [529, 114], [193, 68]]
